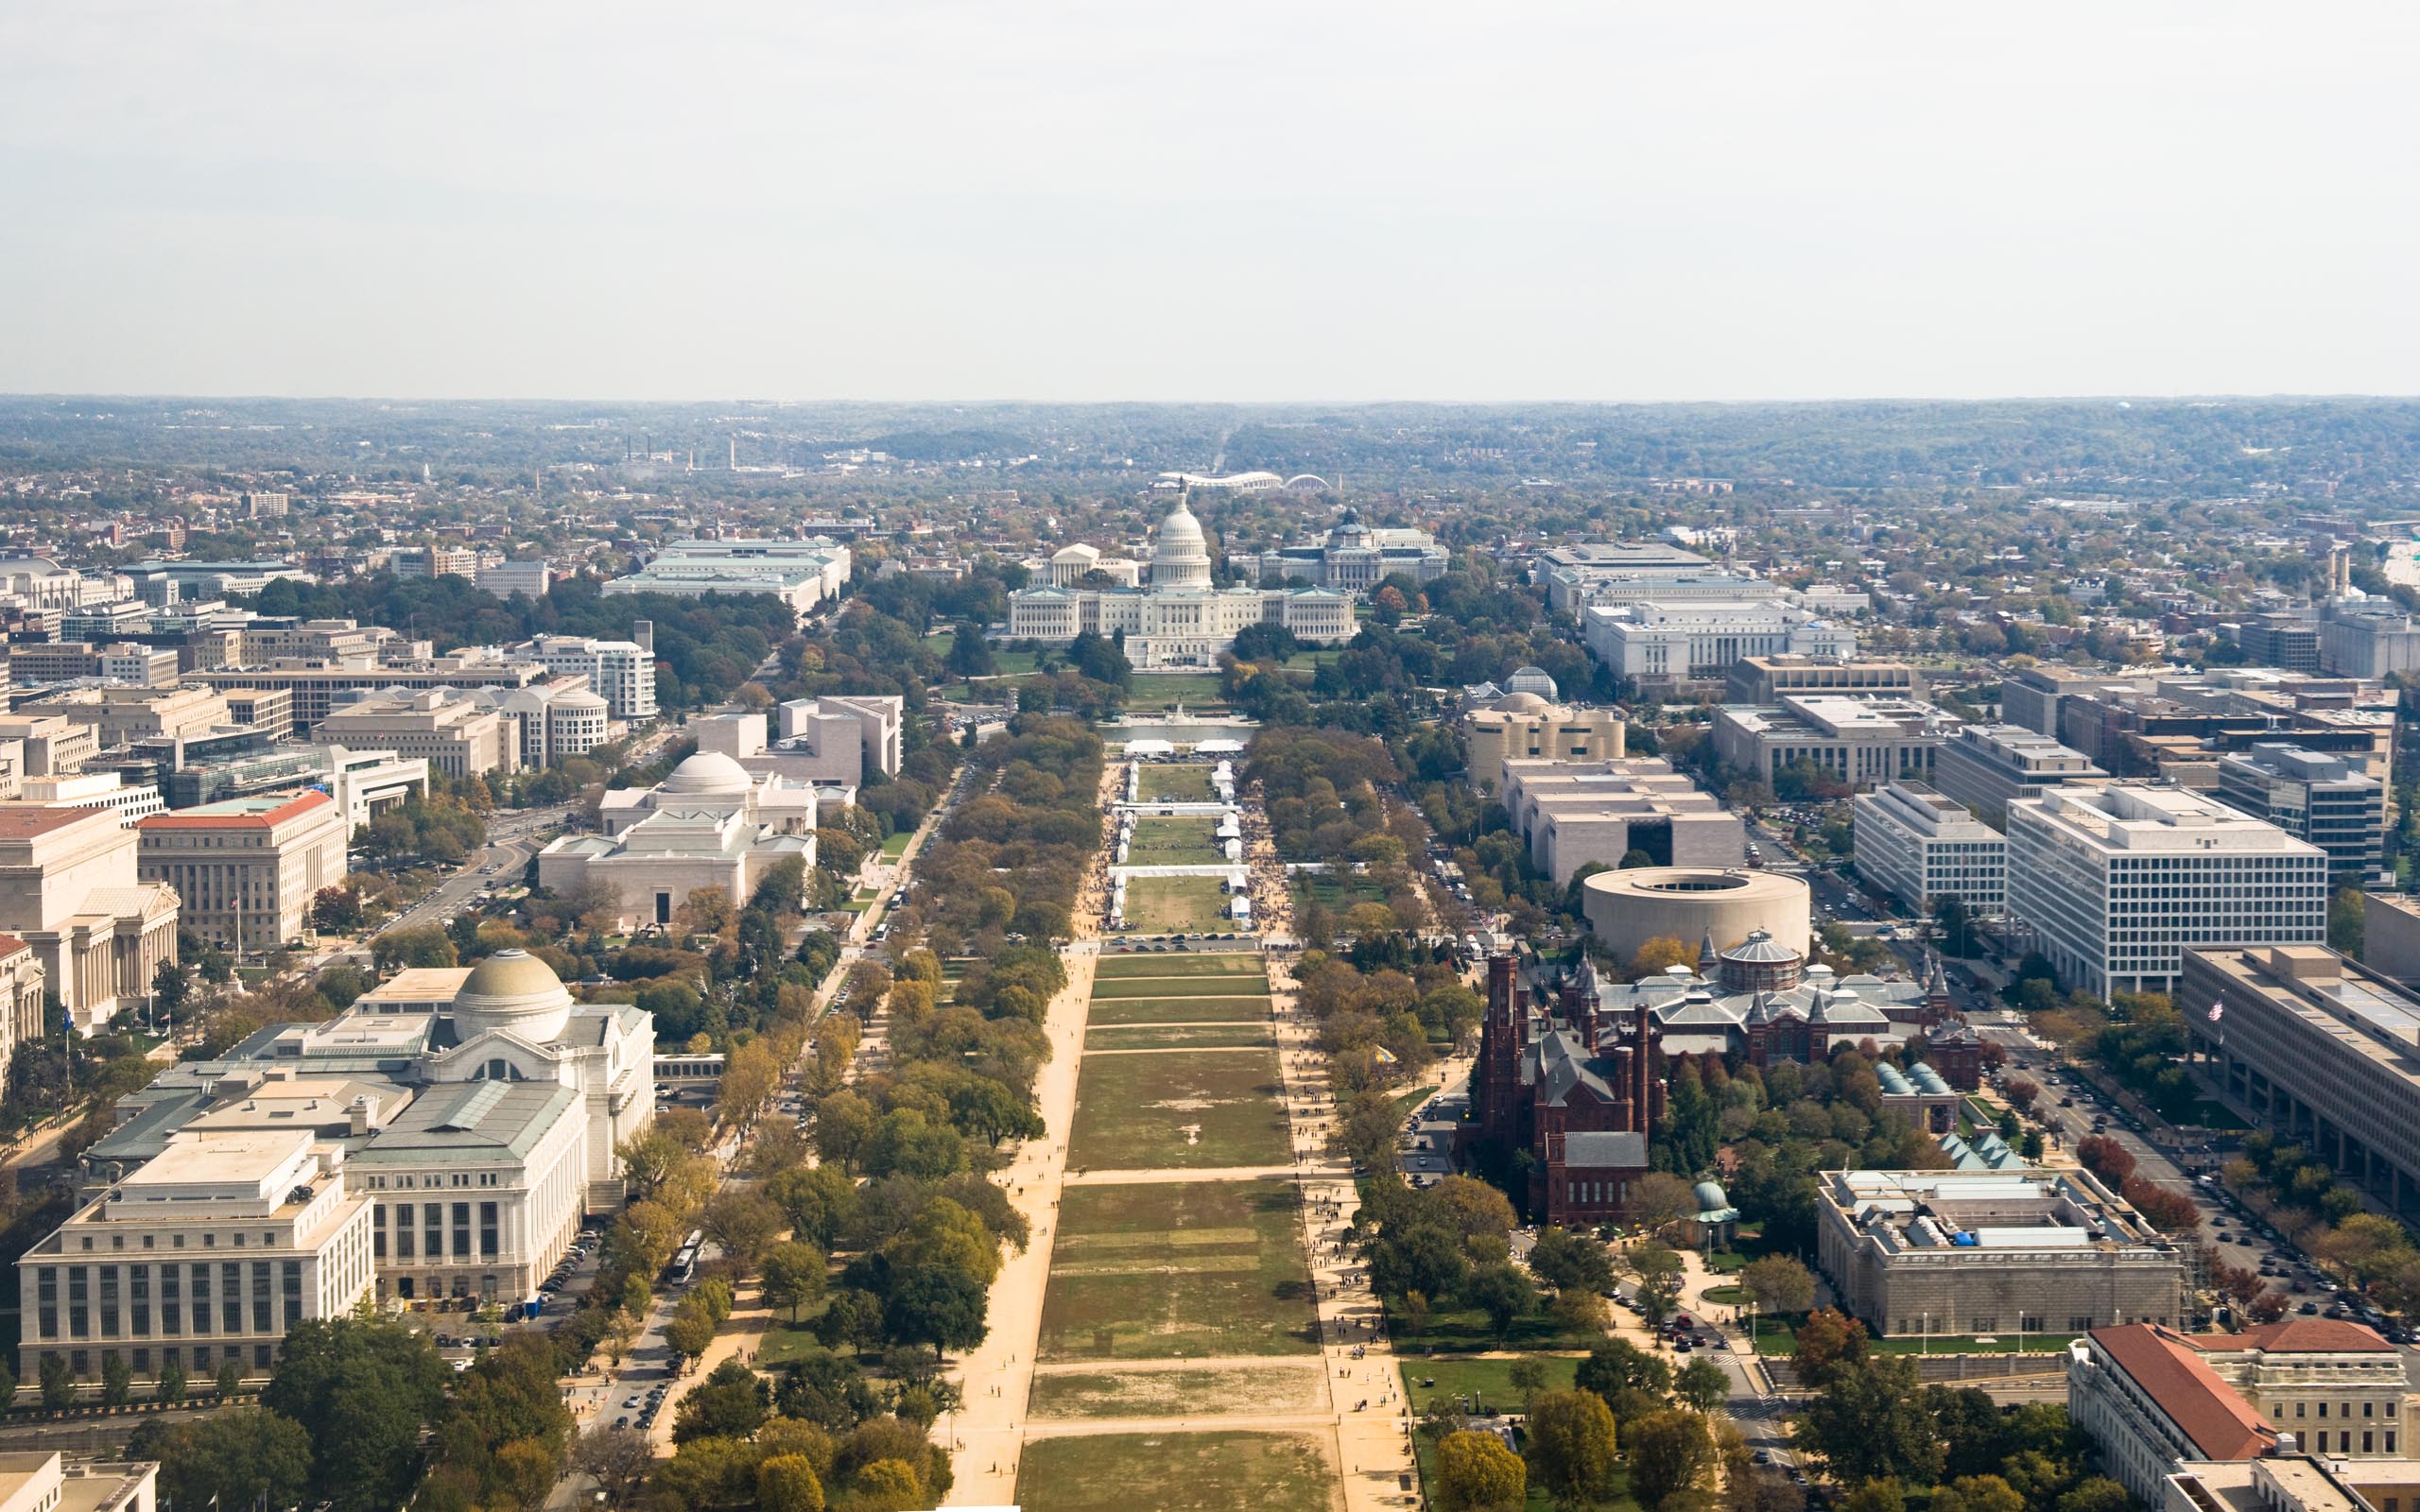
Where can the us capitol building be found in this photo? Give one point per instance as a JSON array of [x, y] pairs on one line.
[[1178, 619]]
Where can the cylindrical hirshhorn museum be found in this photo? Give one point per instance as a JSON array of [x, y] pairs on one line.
[[1629, 908]]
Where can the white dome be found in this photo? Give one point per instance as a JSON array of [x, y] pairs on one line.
[[1180, 551], [514, 990], [708, 774]]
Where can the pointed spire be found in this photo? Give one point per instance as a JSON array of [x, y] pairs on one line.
[[1707, 960]]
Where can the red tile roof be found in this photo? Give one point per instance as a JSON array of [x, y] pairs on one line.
[[2222, 1424], [11, 945], [2301, 1335], [263, 819], [22, 821]]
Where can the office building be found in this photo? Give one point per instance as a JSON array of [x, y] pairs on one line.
[[2327, 799], [247, 869], [31, 662], [1984, 766], [1575, 813], [123, 715], [70, 888], [802, 574], [437, 561], [22, 983], [366, 784], [268, 709], [620, 672], [1918, 846], [1958, 1253], [1667, 644], [1352, 559], [824, 761], [2390, 935], [210, 1252], [1859, 741], [2284, 640], [41, 1481], [2319, 1050], [815, 735], [1768, 678], [2293, 1483], [1571, 574], [452, 732], [1527, 728], [531, 578], [2335, 1385], [2116, 882], [2369, 641], [46, 744], [94, 790], [315, 686], [2148, 1402], [123, 620], [2030, 697], [2156, 1404]]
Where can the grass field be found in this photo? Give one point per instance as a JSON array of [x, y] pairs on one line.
[[1166, 690], [1175, 963], [1219, 1107], [1191, 1036], [1777, 1336], [1491, 1379], [1218, 984], [1175, 1393], [894, 846], [1179, 1472], [785, 1345], [1176, 905], [1338, 893], [1176, 785], [1468, 1330], [1175, 841], [1196, 1269], [1177, 1010]]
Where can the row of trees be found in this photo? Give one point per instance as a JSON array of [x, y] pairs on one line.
[[1037, 821], [341, 1422], [1876, 1428]]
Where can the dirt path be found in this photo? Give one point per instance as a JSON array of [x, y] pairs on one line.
[[998, 1376], [983, 1436], [1373, 1423]]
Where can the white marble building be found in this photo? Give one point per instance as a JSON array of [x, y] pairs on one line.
[[710, 824], [1179, 619]]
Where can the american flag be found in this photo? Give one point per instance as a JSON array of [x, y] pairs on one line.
[[2218, 1012]]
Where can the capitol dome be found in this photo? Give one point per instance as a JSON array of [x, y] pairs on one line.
[[513, 990], [708, 774], [1180, 551]]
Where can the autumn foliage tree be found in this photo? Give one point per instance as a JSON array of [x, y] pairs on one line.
[[2170, 1212], [2107, 1159]]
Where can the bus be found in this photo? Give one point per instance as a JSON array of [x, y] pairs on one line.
[[683, 1268]]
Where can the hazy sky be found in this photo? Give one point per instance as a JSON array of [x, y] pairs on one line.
[[1218, 200]]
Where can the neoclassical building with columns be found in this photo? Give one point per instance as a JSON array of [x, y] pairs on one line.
[[477, 1107], [1178, 619]]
